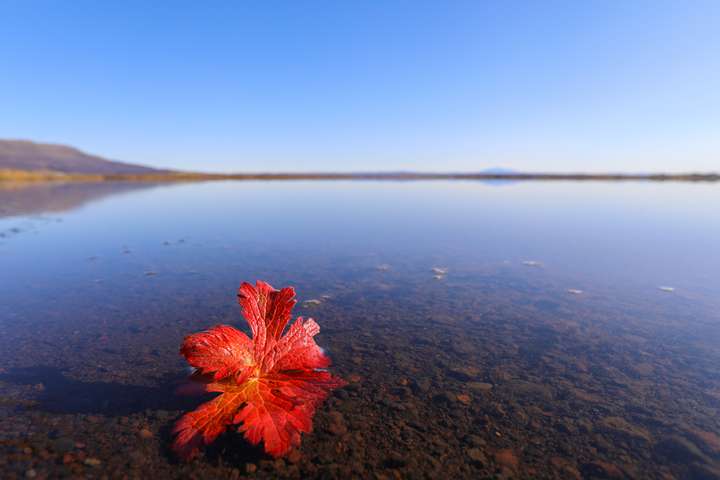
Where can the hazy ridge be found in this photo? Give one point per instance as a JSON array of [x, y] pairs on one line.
[[27, 161], [24, 155]]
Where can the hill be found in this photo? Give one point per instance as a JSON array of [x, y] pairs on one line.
[[22, 155]]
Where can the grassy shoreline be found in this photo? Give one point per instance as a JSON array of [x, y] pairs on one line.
[[17, 176]]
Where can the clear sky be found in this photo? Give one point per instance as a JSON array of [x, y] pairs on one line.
[[368, 85]]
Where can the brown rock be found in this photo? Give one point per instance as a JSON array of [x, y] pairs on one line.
[[464, 398], [479, 387], [601, 469], [566, 468], [622, 426], [294, 456], [477, 456], [679, 449], [464, 373], [530, 389], [337, 423], [585, 396], [145, 433], [710, 440], [507, 458], [644, 369]]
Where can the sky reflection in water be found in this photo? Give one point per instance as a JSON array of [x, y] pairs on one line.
[[101, 282]]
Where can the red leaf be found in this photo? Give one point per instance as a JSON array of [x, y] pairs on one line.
[[269, 386]]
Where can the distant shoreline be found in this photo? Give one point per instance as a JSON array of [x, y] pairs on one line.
[[48, 176]]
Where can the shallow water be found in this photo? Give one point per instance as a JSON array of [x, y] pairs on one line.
[[547, 350]]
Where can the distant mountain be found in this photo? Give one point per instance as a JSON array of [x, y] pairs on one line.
[[31, 156], [499, 171]]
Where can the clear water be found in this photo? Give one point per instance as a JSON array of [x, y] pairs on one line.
[[548, 349]]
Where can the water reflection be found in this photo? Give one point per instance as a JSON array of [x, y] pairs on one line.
[[39, 198], [544, 349]]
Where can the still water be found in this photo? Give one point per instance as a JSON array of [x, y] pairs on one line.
[[568, 330]]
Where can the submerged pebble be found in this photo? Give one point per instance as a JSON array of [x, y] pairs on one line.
[[666, 289], [92, 462]]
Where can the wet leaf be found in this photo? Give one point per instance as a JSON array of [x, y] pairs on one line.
[[269, 385]]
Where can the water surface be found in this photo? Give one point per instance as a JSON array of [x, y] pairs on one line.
[[576, 333]]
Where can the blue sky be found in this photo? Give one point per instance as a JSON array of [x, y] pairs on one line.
[[368, 85]]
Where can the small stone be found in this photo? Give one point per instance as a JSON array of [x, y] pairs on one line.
[[566, 468], [313, 302], [30, 473], [601, 469], [679, 449], [145, 433], [294, 456], [479, 387], [92, 462], [666, 289], [444, 398], [68, 458], [250, 468], [234, 474], [476, 441], [532, 263], [619, 425], [337, 424], [530, 389], [63, 445], [464, 398], [440, 270], [464, 373], [574, 291], [395, 460], [507, 458], [421, 385], [477, 456], [710, 440]]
